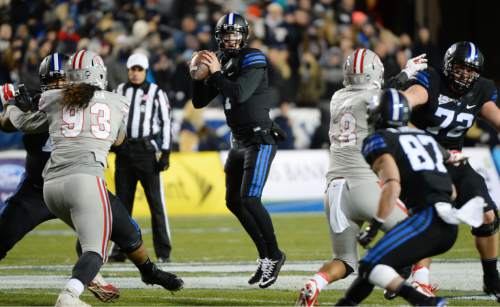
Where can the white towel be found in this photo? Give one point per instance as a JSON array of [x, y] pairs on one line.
[[471, 213], [338, 220]]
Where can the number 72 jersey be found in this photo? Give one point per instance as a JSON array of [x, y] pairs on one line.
[[82, 137], [446, 115]]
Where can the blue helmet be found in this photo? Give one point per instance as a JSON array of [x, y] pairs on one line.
[[389, 109], [52, 70]]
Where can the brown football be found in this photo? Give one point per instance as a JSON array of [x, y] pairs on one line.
[[197, 70]]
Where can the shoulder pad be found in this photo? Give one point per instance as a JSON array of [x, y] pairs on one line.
[[252, 58]]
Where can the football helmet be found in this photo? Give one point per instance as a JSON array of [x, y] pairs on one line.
[[462, 65], [231, 33], [87, 67], [363, 68], [389, 109], [52, 70]]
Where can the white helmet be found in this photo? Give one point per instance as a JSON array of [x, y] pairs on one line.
[[87, 67], [363, 68]]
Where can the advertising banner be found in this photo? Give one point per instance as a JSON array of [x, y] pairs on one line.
[[11, 171]]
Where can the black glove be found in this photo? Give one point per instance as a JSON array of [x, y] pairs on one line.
[[164, 161], [366, 236], [22, 99]]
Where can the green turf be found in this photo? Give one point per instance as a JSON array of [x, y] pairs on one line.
[[202, 239]]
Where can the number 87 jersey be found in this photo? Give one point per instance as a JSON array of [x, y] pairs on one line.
[[82, 136], [448, 115]]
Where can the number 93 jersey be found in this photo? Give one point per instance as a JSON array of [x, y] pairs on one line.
[[82, 137], [446, 115], [348, 128], [424, 178]]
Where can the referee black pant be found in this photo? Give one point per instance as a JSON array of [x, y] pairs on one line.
[[133, 166]]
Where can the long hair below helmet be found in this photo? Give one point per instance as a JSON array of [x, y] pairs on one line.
[[78, 95]]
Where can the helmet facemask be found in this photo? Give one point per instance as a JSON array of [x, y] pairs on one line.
[[462, 76], [231, 34]]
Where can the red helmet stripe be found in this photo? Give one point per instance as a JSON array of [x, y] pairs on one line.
[[362, 60], [74, 59], [81, 58], [355, 59]]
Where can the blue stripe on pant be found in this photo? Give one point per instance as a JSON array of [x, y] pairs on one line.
[[260, 170], [400, 234]]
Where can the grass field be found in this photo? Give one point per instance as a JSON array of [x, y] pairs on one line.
[[199, 240]]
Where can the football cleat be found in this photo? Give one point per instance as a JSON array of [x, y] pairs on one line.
[[258, 273], [491, 285], [167, 280], [105, 292], [425, 289], [438, 301], [308, 296], [270, 270], [389, 295], [69, 299]]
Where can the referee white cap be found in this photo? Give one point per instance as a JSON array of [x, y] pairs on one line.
[[137, 59]]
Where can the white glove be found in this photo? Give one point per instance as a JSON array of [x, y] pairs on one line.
[[415, 65], [456, 157], [7, 93]]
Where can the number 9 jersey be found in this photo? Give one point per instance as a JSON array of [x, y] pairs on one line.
[[447, 115], [82, 137], [348, 128]]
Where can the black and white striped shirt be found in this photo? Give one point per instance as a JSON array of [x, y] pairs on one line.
[[149, 112]]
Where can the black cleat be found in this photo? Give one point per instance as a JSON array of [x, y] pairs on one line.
[[270, 270], [167, 280], [491, 285], [389, 295], [258, 273]]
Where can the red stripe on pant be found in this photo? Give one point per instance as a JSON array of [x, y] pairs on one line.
[[104, 253], [110, 212]]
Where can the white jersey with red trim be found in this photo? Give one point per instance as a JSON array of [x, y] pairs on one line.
[[348, 128], [82, 137]]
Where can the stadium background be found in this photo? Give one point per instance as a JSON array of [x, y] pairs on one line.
[[306, 42]]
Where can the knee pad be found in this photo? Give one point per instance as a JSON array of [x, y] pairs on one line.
[[382, 275], [348, 269], [133, 241], [487, 230]]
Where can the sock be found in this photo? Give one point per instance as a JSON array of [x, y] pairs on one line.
[[146, 268], [413, 296], [421, 274], [489, 266], [321, 280], [75, 286], [87, 267]]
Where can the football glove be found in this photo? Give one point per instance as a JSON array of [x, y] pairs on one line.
[[415, 65], [456, 157], [7, 94], [366, 236]]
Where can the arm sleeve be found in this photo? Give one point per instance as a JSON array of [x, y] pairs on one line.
[[374, 146], [164, 119], [29, 122], [422, 78], [240, 90], [203, 93], [490, 92]]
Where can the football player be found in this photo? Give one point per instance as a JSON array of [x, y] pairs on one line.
[[409, 163], [28, 201], [352, 193], [238, 74], [446, 103]]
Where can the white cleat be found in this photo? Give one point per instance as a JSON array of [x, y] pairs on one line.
[[425, 289], [308, 296], [69, 299]]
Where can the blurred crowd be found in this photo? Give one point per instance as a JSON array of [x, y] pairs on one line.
[[306, 42]]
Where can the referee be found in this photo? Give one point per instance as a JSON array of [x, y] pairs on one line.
[[148, 133]]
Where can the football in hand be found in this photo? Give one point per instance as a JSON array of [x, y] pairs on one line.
[[198, 70]]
